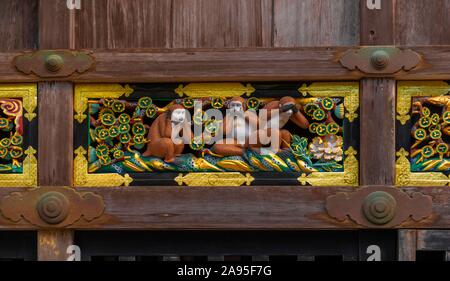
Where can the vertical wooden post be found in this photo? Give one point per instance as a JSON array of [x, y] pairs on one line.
[[55, 133], [55, 157], [52, 244], [377, 138], [55, 151], [377, 142], [407, 244], [377, 25]]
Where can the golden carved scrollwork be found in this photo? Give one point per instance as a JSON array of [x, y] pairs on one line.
[[28, 94], [214, 179], [28, 178], [85, 91], [406, 90], [83, 178], [348, 90], [404, 176], [349, 177], [225, 90]]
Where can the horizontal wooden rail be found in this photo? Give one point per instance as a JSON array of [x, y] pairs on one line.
[[256, 64], [278, 207]]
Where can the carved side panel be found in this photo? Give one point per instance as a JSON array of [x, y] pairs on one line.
[[423, 133], [18, 135]]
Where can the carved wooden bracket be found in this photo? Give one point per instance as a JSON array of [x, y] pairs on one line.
[[54, 63], [51, 206], [379, 206], [380, 60]]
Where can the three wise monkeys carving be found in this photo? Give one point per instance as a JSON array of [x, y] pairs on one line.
[[240, 129]]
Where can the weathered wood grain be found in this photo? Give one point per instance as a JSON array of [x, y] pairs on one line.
[[52, 244], [202, 65], [421, 22], [218, 23], [55, 133], [55, 121], [275, 207], [377, 26], [407, 243], [56, 25], [109, 24], [316, 23], [377, 138], [258, 207], [249, 64], [18, 25], [377, 103]]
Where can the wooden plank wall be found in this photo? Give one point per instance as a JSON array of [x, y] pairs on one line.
[[216, 23], [107, 24], [18, 25], [110, 24], [420, 22], [114, 24]]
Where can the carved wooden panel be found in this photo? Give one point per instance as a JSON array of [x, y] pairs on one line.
[[18, 124], [124, 134], [423, 133]]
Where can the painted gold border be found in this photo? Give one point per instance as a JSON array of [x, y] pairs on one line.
[[349, 177], [406, 90], [85, 91], [350, 92], [28, 94], [224, 90], [214, 179]]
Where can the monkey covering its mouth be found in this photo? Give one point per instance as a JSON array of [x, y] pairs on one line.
[[289, 106]]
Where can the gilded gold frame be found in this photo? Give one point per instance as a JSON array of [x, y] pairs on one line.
[[81, 175], [406, 90], [348, 90], [28, 94]]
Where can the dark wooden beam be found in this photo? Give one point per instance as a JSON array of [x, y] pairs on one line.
[[377, 25], [56, 25], [254, 207], [55, 133], [377, 141], [176, 65], [377, 133], [55, 149]]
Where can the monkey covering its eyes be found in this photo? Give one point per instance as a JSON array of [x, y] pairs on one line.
[[160, 136]]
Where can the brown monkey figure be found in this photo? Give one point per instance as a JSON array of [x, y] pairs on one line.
[[287, 110], [237, 127], [160, 143]]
